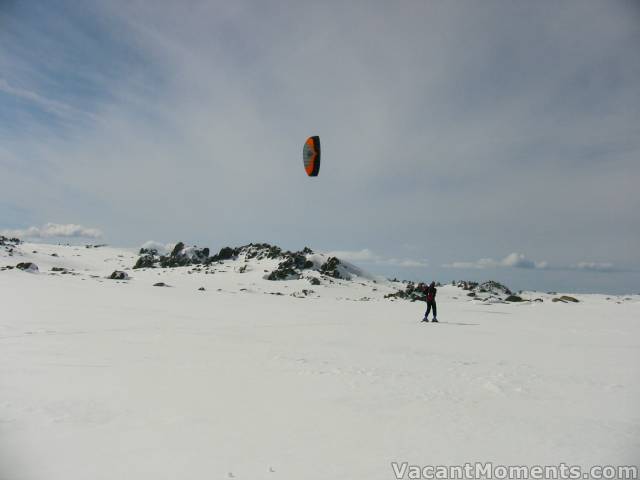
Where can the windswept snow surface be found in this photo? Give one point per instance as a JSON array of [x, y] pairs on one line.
[[104, 379]]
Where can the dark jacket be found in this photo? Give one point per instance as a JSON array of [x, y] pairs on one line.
[[431, 293]]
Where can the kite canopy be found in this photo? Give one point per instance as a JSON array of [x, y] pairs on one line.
[[311, 156]]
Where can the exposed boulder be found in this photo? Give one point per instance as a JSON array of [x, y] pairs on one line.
[[177, 249], [303, 293], [160, 284], [119, 275], [225, 253], [513, 298], [27, 267], [565, 299]]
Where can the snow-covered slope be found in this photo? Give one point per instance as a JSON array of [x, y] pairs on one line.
[[258, 379]]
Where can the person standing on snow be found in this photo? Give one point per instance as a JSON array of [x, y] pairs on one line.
[[431, 302]]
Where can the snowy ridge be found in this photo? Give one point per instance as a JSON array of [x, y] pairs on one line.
[[253, 268], [256, 267]]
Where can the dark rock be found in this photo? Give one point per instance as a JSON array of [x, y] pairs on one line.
[[6, 241], [330, 268], [160, 284], [177, 249], [179, 257], [260, 251], [513, 298], [226, 253], [27, 266], [412, 292], [314, 281], [146, 261], [286, 270], [201, 289], [565, 299], [119, 275]]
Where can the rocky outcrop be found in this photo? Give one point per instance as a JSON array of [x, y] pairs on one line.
[[11, 242], [331, 268], [180, 256], [290, 267], [412, 292], [490, 287]]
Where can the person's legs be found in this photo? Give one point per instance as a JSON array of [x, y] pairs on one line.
[[426, 315], [435, 315]]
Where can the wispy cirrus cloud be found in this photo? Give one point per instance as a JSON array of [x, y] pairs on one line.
[[55, 230], [50, 105], [367, 256]]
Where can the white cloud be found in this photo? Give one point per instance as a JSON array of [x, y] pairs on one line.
[[518, 260], [367, 256], [513, 260], [57, 230]]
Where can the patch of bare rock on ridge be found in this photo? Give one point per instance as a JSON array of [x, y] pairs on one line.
[[291, 265], [9, 244]]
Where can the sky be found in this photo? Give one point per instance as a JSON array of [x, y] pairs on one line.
[[460, 140]]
